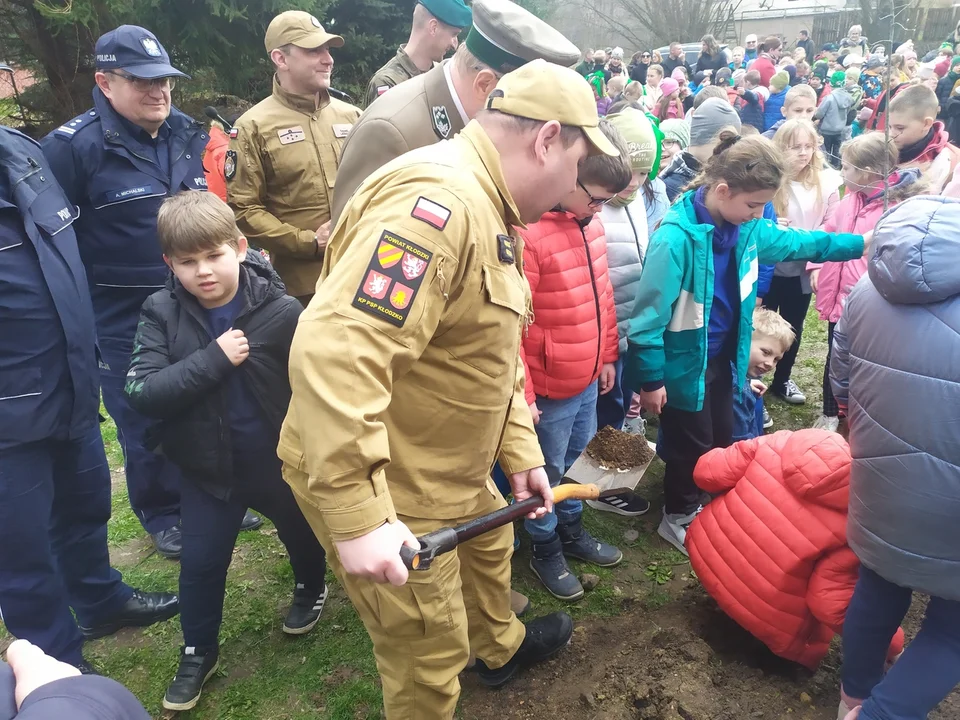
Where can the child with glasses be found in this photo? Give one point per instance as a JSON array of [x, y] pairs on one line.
[[570, 353]]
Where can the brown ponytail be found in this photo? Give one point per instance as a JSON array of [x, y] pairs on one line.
[[745, 164]]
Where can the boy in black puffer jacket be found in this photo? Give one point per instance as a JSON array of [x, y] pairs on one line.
[[210, 364]]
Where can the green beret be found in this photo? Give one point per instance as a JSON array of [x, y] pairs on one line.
[[452, 12]]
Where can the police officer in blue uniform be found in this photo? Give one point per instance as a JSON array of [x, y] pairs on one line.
[[54, 478], [117, 162]]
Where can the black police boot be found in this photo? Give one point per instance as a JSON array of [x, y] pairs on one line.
[[141, 610], [168, 542], [195, 669], [305, 610], [545, 636], [251, 521], [86, 668], [581, 545]]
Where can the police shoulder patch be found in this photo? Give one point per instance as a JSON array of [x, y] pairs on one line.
[[392, 279], [230, 164], [70, 127]]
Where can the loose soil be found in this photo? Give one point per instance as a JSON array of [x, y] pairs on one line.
[[618, 450], [684, 661]]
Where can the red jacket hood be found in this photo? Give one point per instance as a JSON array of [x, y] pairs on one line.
[[816, 468]]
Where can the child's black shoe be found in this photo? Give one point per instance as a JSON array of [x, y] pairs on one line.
[[305, 610], [549, 564], [194, 671]]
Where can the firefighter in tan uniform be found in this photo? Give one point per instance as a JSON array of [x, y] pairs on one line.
[[436, 25], [407, 386], [437, 105], [281, 167]]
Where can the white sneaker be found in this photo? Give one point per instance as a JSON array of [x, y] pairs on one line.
[[825, 422], [673, 529], [635, 426]]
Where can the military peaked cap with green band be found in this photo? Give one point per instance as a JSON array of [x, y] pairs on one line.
[[505, 36]]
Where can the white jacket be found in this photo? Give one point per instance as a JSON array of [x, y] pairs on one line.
[[626, 233]]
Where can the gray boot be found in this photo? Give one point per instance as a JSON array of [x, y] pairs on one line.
[[579, 544], [550, 566]]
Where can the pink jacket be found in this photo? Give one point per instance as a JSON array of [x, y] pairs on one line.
[[858, 212]]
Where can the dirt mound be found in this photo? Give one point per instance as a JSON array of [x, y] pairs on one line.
[[618, 450], [684, 661]]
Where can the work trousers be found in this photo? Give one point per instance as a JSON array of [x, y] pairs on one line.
[[423, 631], [686, 436], [210, 527], [786, 297], [929, 668], [54, 508]]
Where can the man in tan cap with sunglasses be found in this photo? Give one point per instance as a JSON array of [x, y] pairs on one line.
[[407, 387], [282, 163], [435, 106]]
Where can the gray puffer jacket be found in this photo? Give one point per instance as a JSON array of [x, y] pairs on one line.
[[895, 367], [625, 229]]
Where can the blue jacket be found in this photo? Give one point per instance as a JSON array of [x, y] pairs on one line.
[[894, 368], [109, 169], [772, 109], [667, 336], [48, 361]]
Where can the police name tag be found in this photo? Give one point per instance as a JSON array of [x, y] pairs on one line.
[[341, 131], [291, 135]]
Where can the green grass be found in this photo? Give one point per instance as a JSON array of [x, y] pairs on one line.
[[330, 674]]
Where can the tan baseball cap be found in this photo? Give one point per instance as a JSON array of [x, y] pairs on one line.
[[295, 27], [544, 91]]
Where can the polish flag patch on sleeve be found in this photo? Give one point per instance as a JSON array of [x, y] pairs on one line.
[[431, 213], [234, 132]]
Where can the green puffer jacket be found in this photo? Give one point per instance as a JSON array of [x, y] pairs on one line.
[[667, 336]]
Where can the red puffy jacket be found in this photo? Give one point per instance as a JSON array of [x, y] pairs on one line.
[[772, 549], [574, 331]]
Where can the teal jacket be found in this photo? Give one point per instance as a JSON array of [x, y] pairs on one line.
[[667, 335]]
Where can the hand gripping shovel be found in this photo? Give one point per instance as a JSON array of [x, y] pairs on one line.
[[446, 539]]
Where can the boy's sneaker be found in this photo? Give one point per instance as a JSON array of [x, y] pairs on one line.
[[825, 422], [790, 393], [673, 529], [195, 669], [305, 610], [545, 636], [626, 503], [767, 420], [581, 545], [519, 603], [549, 564], [635, 426]]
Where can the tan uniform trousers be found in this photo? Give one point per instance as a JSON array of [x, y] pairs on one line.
[[422, 632]]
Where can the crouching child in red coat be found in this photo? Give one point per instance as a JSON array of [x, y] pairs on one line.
[[772, 548]]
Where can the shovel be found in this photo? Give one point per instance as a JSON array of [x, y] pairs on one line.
[[446, 539]]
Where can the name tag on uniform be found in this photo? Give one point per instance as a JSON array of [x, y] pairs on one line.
[[128, 193], [291, 135], [341, 131]]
